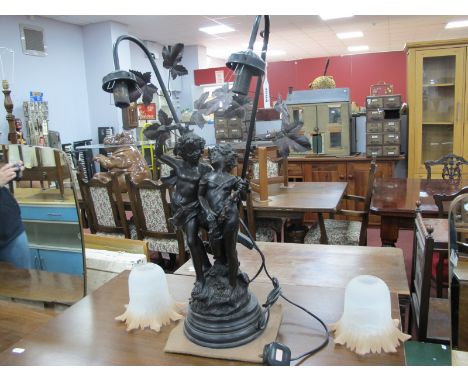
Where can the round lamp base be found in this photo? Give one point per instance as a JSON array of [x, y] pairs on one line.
[[227, 331]]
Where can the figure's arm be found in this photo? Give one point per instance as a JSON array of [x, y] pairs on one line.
[[202, 188], [169, 160], [115, 161]]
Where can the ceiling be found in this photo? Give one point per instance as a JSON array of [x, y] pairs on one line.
[[298, 36]]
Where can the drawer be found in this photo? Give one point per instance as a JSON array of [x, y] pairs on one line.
[[375, 115], [234, 123], [374, 127], [221, 133], [374, 150], [374, 139], [391, 125], [48, 213], [391, 138], [60, 261], [392, 101], [294, 169], [374, 102], [391, 150], [235, 132], [220, 123]]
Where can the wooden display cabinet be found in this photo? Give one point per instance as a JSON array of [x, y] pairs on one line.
[[437, 101]]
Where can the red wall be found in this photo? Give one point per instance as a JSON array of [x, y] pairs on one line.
[[356, 72]]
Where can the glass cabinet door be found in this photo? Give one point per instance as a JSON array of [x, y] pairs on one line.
[[439, 92]]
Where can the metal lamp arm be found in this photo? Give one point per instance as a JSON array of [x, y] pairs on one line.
[[153, 65], [257, 88]]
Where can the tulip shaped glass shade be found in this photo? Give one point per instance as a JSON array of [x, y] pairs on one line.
[[150, 304], [366, 325]]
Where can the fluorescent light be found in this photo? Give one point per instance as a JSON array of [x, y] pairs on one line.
[[346, 35], [217, 29], [358, 48], [333, 16], [457, 24]]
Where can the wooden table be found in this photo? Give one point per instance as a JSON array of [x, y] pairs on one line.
[[87, 334], [36, 285], [394, 200], [321, 265], [301, 197]]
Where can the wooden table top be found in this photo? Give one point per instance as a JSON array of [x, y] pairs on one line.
[[302, 197], [321, 265], [441, 231], [50, 196], [36, 285], [87, 333], [397, 197]]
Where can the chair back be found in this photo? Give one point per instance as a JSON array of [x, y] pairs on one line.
[[151, 211], [421, 272], [363, 214], [103, 205], [458, 226], [452, 167], [443, 201], [264, 171]]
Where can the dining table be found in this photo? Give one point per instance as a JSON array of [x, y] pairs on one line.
[[394, 200]]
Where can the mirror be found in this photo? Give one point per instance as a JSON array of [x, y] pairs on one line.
[[54, 271]]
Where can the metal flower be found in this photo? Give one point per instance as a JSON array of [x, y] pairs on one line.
[[144, 87], [172, 55]]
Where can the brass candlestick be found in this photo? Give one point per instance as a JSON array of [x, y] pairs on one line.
[[12, 136]]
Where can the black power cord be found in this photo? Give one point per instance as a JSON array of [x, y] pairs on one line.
[[276, 354]]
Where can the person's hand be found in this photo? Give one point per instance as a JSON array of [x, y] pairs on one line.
[[242, 185], [7, 174]]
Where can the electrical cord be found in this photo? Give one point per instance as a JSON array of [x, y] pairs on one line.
[[276, 293]]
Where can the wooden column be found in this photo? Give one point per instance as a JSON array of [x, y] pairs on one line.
[[12, 137], [263, 174]]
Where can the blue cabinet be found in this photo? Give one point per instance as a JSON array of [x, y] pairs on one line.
[[53, 231]]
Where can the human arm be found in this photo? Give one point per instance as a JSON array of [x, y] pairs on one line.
[[202, 189], [8, 173]]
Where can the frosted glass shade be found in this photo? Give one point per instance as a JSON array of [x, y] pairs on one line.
[[150, 304], [366, 325]]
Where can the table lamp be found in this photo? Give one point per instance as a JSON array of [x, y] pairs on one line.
[[366, 325]]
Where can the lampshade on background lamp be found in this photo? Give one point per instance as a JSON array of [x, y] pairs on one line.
[[120, 83], [246, 64], [366, 325], [150, 303]]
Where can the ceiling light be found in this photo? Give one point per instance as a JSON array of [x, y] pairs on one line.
[[358, 48], [346, 35], [457, 24], [217, 29], [333, 16]]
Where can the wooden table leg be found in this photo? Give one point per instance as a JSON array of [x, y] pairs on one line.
[[390, 227], [323, 231]]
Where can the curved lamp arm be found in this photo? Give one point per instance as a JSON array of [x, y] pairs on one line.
[[153, 65]]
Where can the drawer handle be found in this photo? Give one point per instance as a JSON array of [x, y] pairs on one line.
[[350, 176], [53, 214], [342, 176]]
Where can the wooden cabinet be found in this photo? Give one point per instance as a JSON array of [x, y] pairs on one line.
[[353, 169], [437, 101]]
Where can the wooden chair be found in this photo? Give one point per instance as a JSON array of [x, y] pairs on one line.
[[264, 171], [458, 225], [431, 316], [104, 207], [452, 167], [440, 258], [151, 213], [258, 232], [347, 232]]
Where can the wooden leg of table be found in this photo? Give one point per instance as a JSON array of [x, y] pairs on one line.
[[389, 229], [323, 231]]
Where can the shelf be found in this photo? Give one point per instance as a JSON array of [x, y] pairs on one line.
[[438, 123], [438, 85]]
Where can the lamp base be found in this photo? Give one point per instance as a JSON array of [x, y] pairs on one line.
[[222, 316]]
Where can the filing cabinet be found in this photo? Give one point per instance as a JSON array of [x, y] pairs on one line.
[[231, 130], [383, 125]]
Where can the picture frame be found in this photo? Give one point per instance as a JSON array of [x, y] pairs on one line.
[[146, 112]]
